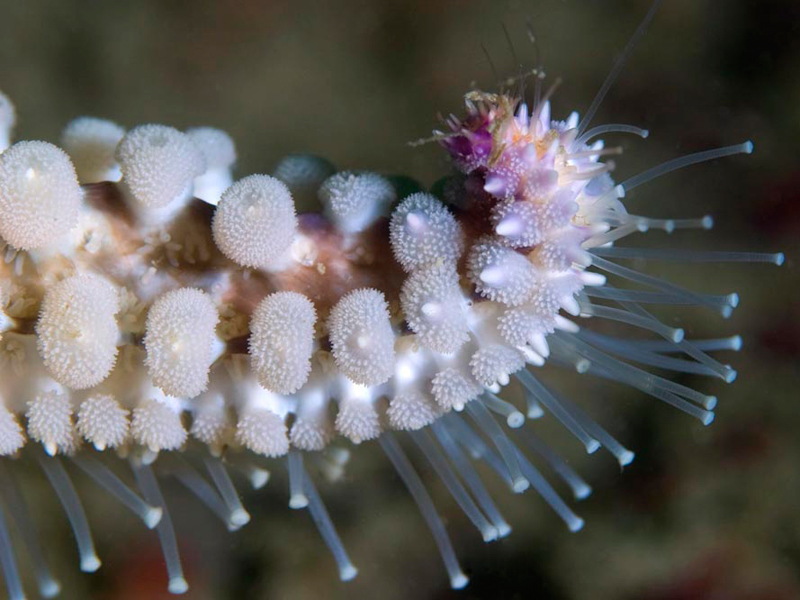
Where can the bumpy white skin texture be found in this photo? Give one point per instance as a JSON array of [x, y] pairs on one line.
[[518, 223], [492, 364], [179, 339], [12, 437], [358, 421], [50, 422], [362, 337], [103, 422], [78, 332], [501, 273], [308, 434], [281, 341], [158, 164], [453, 388], [524, 325], [157, 427], [212, 427], [411, 411], [91, 144], [424, 232], [355, 200], [39, 195], [263, 432], [255, 222], [432, 304]]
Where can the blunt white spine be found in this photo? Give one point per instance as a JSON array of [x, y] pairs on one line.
[[255, 223]]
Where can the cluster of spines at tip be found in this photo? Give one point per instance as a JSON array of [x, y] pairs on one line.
[[533, 260]]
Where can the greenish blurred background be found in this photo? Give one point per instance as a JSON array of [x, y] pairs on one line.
[[702, 512]]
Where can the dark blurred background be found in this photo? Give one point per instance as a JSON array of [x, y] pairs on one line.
[[702, 512]]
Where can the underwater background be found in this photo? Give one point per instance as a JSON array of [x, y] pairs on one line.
[[701, 512]]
